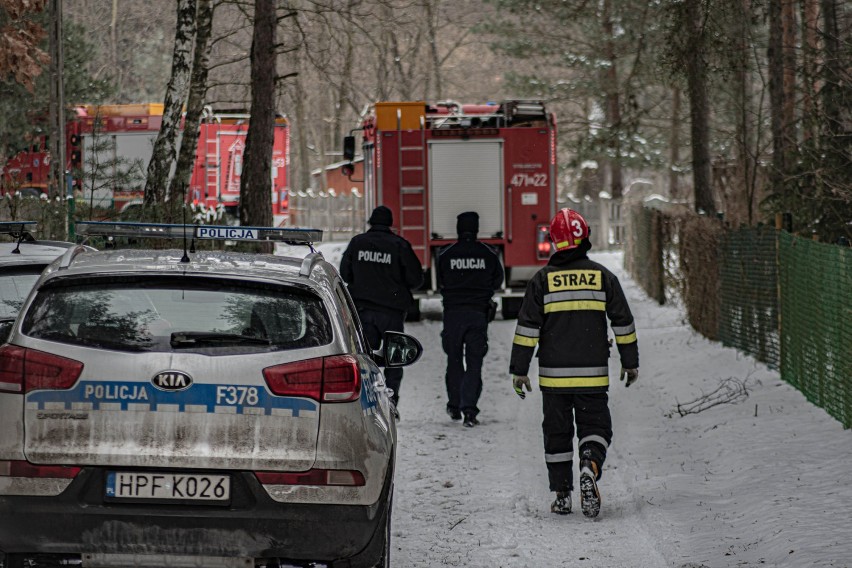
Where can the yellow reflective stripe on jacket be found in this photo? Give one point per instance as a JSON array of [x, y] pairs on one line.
[[526, 336], [626, 338], [573, 377], [525, 341], [573, 382], [575, 305]]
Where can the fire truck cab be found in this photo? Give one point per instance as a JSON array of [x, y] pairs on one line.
[[430, 162]]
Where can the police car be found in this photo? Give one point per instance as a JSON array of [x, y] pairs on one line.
[[195, 408], [21, 262]]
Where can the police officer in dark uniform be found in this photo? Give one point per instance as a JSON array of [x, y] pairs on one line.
[[381, 269], [470, 272]]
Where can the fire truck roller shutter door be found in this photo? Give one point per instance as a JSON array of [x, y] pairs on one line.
[[466, 175]]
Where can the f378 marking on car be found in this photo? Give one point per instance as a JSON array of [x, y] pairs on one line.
[[237, 395], [142, 397]]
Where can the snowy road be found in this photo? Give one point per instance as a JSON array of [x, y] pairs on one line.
[[764, 481]]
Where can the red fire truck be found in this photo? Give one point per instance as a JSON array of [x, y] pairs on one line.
[[109, 147], [430, 162]]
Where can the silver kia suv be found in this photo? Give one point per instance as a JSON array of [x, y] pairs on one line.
[[180, 408]]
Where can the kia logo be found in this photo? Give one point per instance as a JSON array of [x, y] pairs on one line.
[[172, 381]]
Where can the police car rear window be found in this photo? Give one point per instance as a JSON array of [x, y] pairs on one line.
[[216, 317]]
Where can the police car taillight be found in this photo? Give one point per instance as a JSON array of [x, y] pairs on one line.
[[324, 379], [341, 381], [19, 468], [24, 370], [350, 478]]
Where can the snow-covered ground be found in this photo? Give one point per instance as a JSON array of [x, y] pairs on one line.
[[761, 482]]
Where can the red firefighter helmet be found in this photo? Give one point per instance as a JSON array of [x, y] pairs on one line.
[[568, 229]]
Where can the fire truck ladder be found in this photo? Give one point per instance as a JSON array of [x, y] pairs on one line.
[[212, 164], [412, 184]]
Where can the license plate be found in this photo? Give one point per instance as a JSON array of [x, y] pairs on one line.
[[169, 486]]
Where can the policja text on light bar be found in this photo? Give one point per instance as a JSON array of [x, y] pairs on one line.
[[198, 232]]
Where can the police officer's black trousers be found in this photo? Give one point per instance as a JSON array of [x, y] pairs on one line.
[[594, 433], [375, 324], [465, 341]]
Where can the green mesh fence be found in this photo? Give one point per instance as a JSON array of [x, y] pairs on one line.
[[816, 322], [748, 293], [784, 299]]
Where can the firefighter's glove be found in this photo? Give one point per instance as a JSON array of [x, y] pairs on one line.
[[520, 381], [630, 374]]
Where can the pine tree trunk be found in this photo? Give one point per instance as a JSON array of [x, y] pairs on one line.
[[810, 55], [195, 104], [674, 147], [164, 153], [788, 19], [344, 85], [301, 180], [433, 50], [696, 74], [743, 186], [256, 180], [613, 104], [775, 63]]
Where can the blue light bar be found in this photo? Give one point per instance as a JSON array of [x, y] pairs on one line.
[[15, 228], [198, 232]]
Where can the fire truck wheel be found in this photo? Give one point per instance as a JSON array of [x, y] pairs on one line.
[[413, 311], [510, 307]]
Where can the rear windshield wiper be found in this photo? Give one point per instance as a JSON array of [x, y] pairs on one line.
[[194, 338]]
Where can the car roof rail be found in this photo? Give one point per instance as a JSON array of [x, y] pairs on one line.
[[309, 262], [70, 255]]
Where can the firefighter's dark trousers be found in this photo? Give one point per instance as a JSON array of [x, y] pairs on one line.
[[375, 324], [465, 341], [594, 433]]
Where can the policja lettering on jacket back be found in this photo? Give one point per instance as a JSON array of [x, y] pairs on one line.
[[374, 256], [467, 264]]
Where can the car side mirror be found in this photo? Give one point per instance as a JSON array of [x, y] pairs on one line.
[[348, 148], [399, 350]]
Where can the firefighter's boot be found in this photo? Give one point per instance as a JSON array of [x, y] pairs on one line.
[[562, 504], [590, 497]]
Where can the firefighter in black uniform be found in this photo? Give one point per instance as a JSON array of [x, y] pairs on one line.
[[381, 269], [469, 273], [564, 312]]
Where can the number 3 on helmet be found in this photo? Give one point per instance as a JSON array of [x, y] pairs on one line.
[[568, 229]]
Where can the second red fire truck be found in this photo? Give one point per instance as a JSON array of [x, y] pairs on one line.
[[430, 162], [109, 146]]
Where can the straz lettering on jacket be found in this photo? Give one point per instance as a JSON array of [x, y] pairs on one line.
[[467, 263], [574, 280], [374, 256]]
